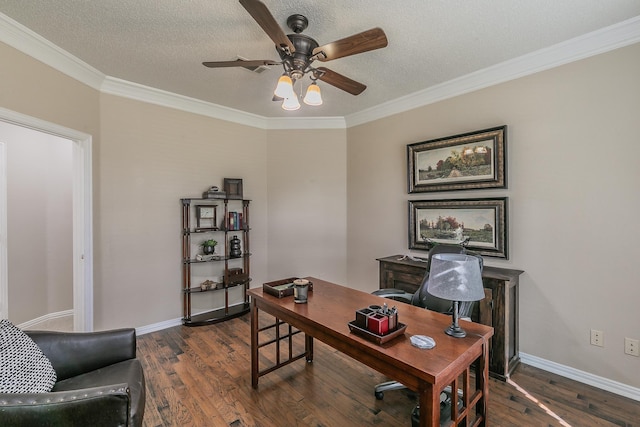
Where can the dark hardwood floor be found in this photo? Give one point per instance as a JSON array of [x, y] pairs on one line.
[[201, 376]]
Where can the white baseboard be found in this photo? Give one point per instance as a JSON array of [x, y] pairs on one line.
[[159, 326], [166, 324], [581, 376], [61, 320]]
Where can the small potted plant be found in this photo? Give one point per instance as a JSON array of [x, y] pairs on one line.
[[208, 246]]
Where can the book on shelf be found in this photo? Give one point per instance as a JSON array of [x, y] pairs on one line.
[[234, 221]]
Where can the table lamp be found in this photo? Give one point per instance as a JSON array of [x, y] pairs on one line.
[[455, 277]]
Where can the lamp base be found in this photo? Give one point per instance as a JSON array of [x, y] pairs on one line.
[[455, 331]]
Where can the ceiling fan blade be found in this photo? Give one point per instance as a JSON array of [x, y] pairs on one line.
[[267, 22], [365, 41], [240, 63], [340, 81]]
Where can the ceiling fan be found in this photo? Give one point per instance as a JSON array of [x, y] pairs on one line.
[[297, 52]]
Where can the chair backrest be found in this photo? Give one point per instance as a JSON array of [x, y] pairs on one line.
[[422, 298]]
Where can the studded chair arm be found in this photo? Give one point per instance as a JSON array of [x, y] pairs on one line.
[[68, 408]]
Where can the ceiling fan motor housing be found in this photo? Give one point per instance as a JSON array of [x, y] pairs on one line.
[[299, 61]]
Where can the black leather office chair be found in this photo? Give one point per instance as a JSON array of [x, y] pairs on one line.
[[421, 298]]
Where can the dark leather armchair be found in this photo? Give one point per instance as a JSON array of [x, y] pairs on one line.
[[99, 383]]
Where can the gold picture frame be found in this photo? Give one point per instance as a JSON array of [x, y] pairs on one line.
[[468, 161]]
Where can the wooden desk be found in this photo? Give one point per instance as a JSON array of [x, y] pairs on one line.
[[325, 317], [499, 308]]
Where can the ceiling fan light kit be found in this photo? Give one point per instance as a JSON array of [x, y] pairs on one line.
[[298, 51], [291, 104], [284, 88], [313, 96]]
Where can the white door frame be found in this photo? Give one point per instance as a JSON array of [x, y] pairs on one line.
[[82, 217]]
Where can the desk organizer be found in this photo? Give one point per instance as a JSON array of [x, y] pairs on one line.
[[378, 339], [377, 324], [282, 288]]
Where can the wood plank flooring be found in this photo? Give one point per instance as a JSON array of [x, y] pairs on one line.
[[201, 376]]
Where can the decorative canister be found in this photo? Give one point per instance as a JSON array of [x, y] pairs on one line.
[[234, 247], [300, 291]]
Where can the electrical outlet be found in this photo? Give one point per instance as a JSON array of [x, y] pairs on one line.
[[597, 338], [631, 347]]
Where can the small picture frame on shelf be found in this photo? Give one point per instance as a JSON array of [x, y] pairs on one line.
[[206, 217], [233, 188]]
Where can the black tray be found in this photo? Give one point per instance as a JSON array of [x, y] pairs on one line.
[[282, 288], [378, 339]]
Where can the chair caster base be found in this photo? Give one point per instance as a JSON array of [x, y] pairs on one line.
[[415, 417], [445, 411], [379, 395]]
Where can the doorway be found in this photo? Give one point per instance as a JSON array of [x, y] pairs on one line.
[[80, 242]]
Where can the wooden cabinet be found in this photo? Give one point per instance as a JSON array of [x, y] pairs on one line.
[[499, 308], [227, 222]]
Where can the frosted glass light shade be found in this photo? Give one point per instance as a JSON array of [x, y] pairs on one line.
[[284, 88], [455, 277], [291, 104], [313, 96]]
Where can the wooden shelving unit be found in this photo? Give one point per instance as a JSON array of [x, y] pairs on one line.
[[232, 268]]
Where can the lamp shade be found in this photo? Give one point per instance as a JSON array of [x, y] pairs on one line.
[[291, 104], [313, 96], [455, 277], [284, 88]]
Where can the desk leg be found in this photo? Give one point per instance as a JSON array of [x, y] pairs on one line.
[[254, 344], [429, 402], [308, 347], [482, 380]]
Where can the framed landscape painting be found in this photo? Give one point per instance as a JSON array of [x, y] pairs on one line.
[[480, 224], [462, 162]]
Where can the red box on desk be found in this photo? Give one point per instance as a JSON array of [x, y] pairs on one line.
[[378, 324]]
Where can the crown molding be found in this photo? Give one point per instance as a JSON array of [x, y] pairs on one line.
[[30, 43], [26, 41], [126, 89], [306, 123], [609, 38]]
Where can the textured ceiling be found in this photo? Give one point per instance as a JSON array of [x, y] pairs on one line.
[[162, 43]]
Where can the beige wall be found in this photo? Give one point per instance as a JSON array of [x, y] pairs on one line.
[[307, 204], [39, 213], [150, 158], [573, 175], [572, 187]]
